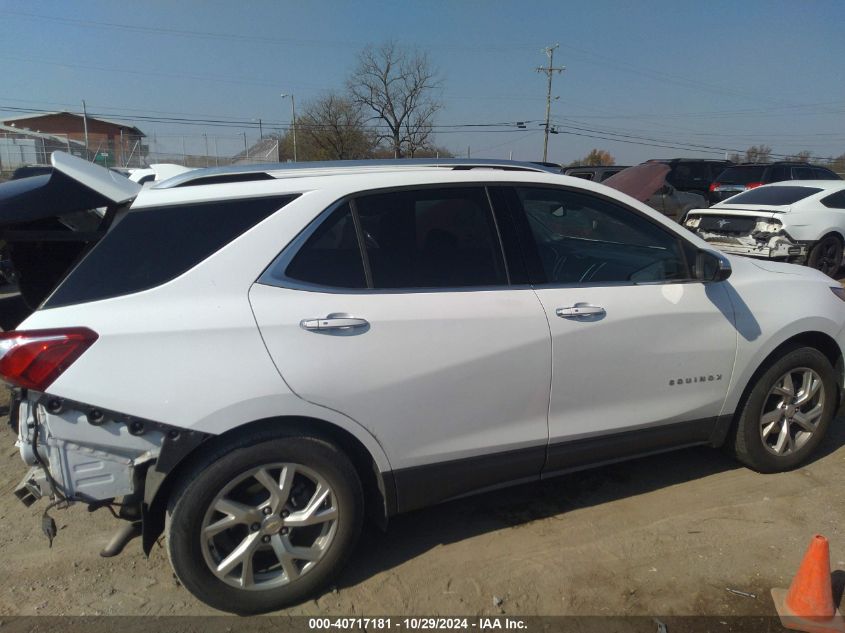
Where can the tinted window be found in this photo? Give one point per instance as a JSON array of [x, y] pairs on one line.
[[779, 173], [610, 172], [331, 256], [585, 239], [152, 246], [431, 238], [686, 172], [741, 175], [835, 200], [774, 195], [802, 173], [824, 174], [586, 175]]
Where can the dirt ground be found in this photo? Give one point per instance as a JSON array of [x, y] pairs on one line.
[[660, 535]]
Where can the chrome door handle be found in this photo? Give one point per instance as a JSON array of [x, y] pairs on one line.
[[580, 310], [333, 323]]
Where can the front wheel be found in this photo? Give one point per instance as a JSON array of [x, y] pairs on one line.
[[787, 411], [265, 526], [826, 255]]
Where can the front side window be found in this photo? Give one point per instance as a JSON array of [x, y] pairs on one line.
[[431, 238], [583, 239]]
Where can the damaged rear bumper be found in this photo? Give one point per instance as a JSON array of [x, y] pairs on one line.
[[773, 247], [79, 452]]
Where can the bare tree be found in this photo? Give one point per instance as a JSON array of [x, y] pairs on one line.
[[801, 157], [758, 154], [398, 86]]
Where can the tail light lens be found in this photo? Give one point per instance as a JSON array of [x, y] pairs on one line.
[[34, 359], [752, 185], [714, 186]]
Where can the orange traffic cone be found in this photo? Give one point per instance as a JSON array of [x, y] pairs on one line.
[[808, 605]]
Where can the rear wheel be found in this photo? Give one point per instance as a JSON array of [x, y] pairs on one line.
[[787, 412], [826, 255], [265, 526]]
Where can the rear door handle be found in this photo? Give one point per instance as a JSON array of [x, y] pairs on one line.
[[580, 310], [333, 323]]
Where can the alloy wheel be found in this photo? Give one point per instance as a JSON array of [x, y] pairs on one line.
[[792, 411], [269, 526]]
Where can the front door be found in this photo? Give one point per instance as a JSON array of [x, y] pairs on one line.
[[642, 354]]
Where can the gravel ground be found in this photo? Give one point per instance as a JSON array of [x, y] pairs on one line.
[[660, 535]]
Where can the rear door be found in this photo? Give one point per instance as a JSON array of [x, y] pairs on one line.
[[641, 354], [427, 341]]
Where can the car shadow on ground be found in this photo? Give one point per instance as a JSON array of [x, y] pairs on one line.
[[413, 534]]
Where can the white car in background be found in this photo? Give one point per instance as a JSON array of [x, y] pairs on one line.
[[800, 221], [254, 359], [157, 172]]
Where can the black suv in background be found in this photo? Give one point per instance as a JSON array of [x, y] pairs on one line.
[[739, 178], [694, 174]]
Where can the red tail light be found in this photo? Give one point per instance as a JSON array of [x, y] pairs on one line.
[[752, 185], [34, 359], [714, 186]]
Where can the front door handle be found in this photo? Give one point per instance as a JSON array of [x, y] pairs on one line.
[[332, 322], [580, 310]]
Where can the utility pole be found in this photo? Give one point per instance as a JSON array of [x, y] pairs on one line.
[[205, 136], [85, 125], [549, 71], [260, 130]]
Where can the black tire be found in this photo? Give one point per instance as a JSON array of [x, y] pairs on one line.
[[190, 503], [748, 443], [826, 255]]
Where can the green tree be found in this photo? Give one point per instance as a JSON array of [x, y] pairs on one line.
[[596, 158]]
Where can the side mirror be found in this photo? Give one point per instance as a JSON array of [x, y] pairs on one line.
[[711, 266]]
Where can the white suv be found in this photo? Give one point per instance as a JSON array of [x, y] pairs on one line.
[[255, 359]]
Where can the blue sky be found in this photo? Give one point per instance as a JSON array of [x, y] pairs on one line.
[[690, 75]]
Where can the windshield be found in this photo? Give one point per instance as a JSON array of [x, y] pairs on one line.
[[774, 195], [742, 175]]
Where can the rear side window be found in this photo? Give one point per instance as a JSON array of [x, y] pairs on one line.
[[774, 195], [152, 246], [331, 256], [410, 239], [835, 200], [431, 238], [824, 174], [779, 173]]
